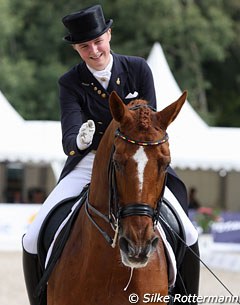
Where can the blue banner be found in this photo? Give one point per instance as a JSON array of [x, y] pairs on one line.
[[227, 230]]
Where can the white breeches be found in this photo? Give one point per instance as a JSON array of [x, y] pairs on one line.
[[69, 186]]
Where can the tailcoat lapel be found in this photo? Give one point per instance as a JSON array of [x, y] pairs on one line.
[[117, 82], [90, 84], [118, 78]]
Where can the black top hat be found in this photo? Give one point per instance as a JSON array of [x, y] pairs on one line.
[[86, 24]]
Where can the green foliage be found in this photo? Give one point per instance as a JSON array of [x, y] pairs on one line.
[[205, 217], [200, 39]]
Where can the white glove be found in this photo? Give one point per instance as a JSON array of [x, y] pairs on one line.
[[85, 135]]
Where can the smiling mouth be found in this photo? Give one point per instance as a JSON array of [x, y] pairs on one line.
[[96, 57]]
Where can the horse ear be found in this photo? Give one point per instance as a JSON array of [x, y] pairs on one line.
[[118, 109], [168, 114]]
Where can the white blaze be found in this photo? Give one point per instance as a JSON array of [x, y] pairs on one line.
[[141, 159]]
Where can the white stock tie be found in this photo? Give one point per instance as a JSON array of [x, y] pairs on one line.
[[103, 77]]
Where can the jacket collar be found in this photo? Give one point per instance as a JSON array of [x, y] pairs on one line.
[[117, 81]]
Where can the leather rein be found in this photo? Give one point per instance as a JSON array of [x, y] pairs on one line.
[[117, 212]]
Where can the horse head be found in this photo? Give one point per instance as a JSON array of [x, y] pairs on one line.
[[140, 159]]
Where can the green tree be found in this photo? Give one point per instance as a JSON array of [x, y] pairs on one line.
[[224, 76], [200, 40]]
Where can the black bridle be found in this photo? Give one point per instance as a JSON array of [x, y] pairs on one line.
[[130, 209], [117, 212]]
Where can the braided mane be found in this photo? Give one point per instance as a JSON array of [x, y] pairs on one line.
[[144, 118], [144, 114]]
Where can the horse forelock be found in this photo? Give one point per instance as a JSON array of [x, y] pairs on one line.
[[144, 118]]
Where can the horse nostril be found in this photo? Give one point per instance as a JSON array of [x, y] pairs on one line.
[[123, 244], [155, 242], [126, 247], [136, 252], [150, 247]]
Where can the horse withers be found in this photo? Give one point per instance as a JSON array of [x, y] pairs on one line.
[[114, 241]]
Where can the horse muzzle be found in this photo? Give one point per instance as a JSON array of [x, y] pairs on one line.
[[136, 256], [137, 240]]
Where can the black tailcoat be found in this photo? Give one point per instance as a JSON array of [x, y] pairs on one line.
[[82, 98]]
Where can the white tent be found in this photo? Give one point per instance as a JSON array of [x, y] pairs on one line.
[[193, 143], [8, 115], [28, 141]]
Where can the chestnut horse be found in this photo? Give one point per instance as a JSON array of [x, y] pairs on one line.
[[122, 207]]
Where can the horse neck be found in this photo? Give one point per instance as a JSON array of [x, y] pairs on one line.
[[99, 198]]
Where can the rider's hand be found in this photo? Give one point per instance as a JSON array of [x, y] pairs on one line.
[[85, 135]]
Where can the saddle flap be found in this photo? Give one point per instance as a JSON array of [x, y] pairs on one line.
[[173, 227], [49, 229], [60, 212]]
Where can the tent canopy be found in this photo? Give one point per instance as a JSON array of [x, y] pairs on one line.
[[28, 141], [8, 115], [193, 143]]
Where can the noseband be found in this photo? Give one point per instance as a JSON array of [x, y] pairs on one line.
[[117, 212]]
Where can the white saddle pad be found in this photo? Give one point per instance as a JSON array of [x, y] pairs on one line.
[[190, 231]]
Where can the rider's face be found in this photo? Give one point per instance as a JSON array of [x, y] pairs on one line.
[[96, 52]]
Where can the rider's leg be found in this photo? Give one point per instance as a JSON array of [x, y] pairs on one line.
[[69, 186], [187, 282], [188, 272], [32, 275]]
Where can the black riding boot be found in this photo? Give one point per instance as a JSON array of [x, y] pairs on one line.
[[188, 276], [32, 274]]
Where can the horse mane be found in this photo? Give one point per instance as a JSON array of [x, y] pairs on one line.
[[143, 114]]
